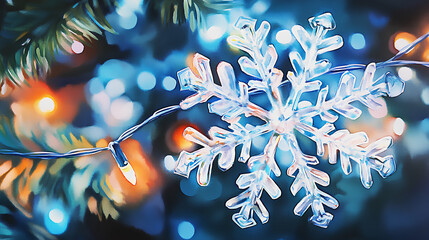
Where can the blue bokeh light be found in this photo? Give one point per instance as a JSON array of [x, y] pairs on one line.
[[188, 187], [128, 22], [56, 220], [115, 68], [146, 81], [169, 83], [186, 230], [95, 86], [378, 20], [357, 41], [260, 7]]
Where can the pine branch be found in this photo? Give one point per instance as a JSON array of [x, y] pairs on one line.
[[193, 11], [75, 181], [32, 34]]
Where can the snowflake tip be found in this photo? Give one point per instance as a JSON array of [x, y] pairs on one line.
[[243, 222], [244, 22], [395, 86], [324, 20], [322, 220], [388, 166]]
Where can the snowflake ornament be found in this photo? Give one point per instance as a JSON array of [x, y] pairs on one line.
[[283, 119]]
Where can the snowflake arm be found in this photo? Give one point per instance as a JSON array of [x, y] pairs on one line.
[[307, 177], [232, 101], [222, 143], [307, 67], [261, 64], [258, 180], [368, 93]]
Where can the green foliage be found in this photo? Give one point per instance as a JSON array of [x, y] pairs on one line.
[[193, 11], [33, 32], [75, 181]]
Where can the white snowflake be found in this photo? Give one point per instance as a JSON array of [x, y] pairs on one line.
[[281, 119]]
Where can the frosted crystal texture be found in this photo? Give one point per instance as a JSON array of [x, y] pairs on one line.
[[281, 117]]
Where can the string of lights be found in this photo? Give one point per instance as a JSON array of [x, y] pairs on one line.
[[113, 146], [122, 160]]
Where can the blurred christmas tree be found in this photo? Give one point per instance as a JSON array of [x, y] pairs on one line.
[[41, 196]]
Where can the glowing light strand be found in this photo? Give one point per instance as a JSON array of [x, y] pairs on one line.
[[113, 147]]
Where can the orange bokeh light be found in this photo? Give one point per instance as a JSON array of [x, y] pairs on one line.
[[402, 39], [38, 101], [426, 55], [190, 63], [175, 139], [46, 104]]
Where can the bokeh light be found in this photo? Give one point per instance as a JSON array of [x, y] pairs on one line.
[[261, 6], [77, 47], [259, 142], [128, 22], [175, 140], [214, 32], [186, 230], [56, 215], [169, 163], [115, 88], [403, 39], [126, 8], [399, 126], [146, 81], [425, 95], [95, 86], [56, 220], [377, 19], [284, 36], [122, 109], [357, 41], [380, 111], [189, 187], [406, 73], [426, 55], [100, 102], [216, 29], [169, 83], [46, 105]]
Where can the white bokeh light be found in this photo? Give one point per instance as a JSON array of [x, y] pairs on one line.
[[401, 43], [115, 88], [122, 109], [284, 37], [56, 215], [399, 126], [406, 73], [77, 47], [100, 102], [214, 32], [169, 163], [46, 105]]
